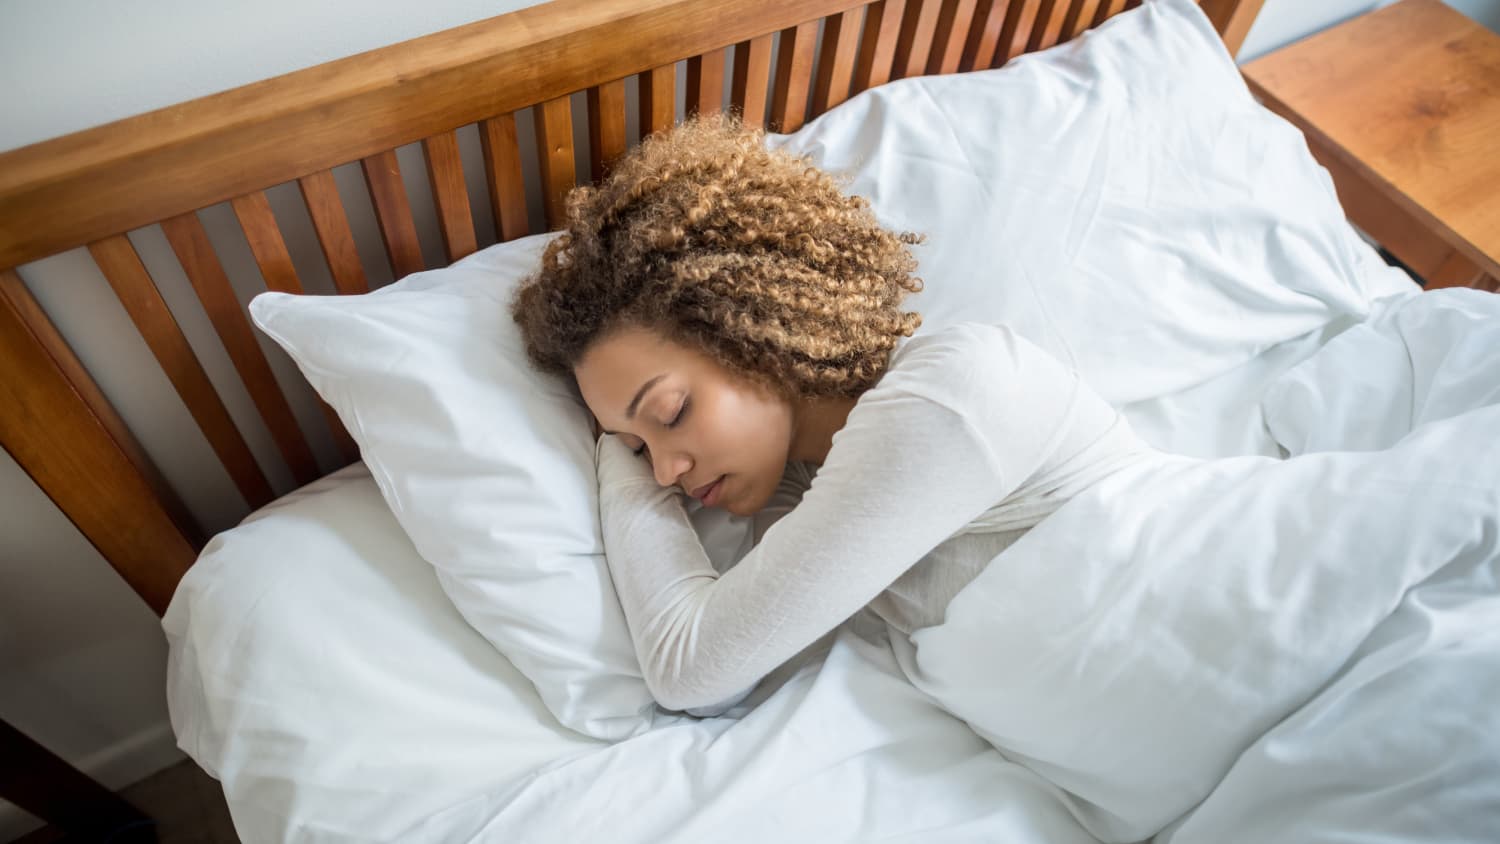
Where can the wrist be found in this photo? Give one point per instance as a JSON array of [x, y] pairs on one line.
[[618, 465]]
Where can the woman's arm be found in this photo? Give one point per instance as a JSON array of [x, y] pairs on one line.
[[885, 498], [788, 494]]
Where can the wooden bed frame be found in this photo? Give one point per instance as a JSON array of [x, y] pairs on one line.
[[89, 189]]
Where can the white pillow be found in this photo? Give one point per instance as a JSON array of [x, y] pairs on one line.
[[1120, 200], [317, 670], [487, 465]]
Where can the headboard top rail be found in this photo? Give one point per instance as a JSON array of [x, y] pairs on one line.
[[72, 190]]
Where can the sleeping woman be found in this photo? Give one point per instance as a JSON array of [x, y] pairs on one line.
[[734, 323]]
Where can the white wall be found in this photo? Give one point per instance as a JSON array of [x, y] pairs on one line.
[[1284, 21], [81, 658], [71, 64]]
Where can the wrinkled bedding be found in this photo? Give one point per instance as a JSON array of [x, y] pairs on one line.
[[1239, 649], [1243, 649], [1303, 646]]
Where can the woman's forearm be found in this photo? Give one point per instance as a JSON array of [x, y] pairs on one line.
[[659, 570]]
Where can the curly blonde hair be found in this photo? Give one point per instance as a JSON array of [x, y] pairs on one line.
[[750, 255]]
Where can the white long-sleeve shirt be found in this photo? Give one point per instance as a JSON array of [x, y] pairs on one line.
[[971, 436]]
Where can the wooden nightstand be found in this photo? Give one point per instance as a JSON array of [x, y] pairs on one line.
[[1402, 105]]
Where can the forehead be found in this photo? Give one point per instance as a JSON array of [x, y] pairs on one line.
[[617, 364]]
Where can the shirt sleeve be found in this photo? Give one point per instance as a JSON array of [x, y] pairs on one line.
[[909, 469], [789, 491]]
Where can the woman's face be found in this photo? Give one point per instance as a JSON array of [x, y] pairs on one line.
[[705, 429]]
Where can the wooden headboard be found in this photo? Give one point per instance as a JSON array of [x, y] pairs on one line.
[[538, 86]]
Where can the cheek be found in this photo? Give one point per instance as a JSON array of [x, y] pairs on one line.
[[752, 439], [754, 427]]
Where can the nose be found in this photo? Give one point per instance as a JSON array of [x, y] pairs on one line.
[[670, 467]]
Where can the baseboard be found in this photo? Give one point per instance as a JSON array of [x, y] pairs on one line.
[[121, 764]]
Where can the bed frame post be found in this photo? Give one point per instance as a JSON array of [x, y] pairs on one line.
[[64, 434], [1232, 18], [44, 784]]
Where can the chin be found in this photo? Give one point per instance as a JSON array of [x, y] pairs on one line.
[[740, 511], [748, 505]]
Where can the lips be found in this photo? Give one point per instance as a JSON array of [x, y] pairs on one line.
[[702, 493]]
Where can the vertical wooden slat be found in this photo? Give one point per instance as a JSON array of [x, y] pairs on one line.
[[915, 43], [502, 172], [984, 35], [26, 312], [445, 171], [1019, 18], [1080, 17], [836, 59], [794, 60], [123, 269], [554, 143], [752, 69], [1108, 9], [657, 99], [949, 36], [253, 211], [393, 212], [705, 83], [877, 48], [196, 254], [1048, 27], [607, 140], [331, 224]]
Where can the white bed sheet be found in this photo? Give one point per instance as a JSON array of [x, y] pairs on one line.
[[320, 674]]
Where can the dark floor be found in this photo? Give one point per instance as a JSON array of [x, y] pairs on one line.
[[187, 805]]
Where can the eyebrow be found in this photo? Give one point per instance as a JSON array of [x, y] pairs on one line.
[[639, 394]]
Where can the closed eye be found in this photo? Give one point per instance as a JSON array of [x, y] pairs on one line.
[[682, 411]]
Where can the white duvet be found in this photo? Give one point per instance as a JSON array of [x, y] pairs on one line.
[[1135, 644], [1244, 649]]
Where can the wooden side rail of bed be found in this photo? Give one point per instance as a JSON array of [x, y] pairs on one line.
[[91, 188]]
